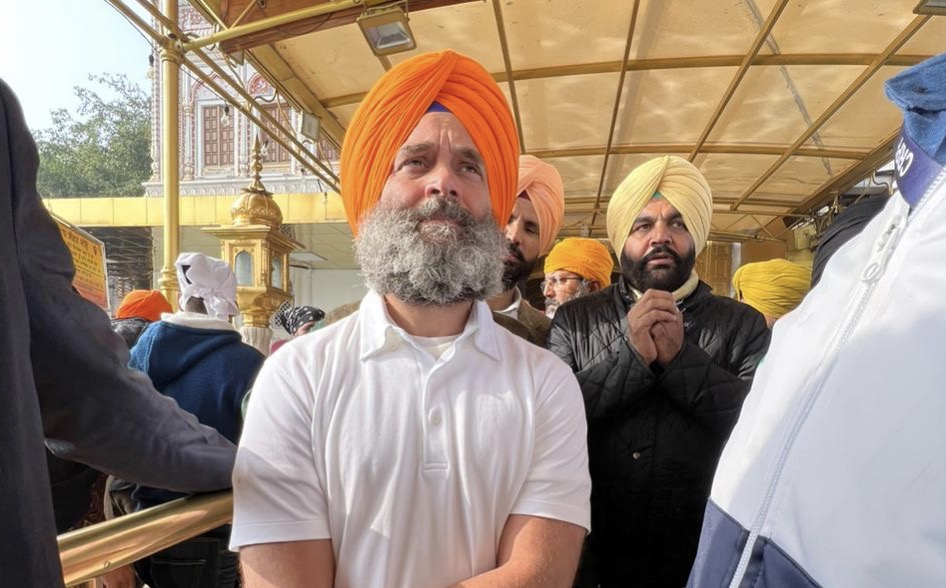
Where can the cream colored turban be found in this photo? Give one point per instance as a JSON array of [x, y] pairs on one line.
[[677, 180], [773, 287], [543, 185]]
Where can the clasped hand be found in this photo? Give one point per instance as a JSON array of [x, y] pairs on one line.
[[655, 328]]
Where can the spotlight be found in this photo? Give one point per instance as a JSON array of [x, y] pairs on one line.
[[387, 30]]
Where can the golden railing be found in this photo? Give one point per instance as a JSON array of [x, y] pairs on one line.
[[92, 551]]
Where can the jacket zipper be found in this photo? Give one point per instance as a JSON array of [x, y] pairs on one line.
[[880, 255]]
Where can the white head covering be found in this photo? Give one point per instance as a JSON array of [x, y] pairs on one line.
[[210, 279]]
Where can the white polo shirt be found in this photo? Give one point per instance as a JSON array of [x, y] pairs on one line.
[[411, 465]]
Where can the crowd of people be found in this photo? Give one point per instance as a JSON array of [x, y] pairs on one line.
[[642, 431]]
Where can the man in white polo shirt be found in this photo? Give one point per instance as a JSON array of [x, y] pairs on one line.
[[415, 443]]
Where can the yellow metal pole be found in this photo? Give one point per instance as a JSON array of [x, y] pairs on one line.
[[92, 551], [170, 95], [272, 22]]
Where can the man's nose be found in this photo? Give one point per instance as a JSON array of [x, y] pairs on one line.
[[514, 232], [441, 181], [549, 291], [660, 235]]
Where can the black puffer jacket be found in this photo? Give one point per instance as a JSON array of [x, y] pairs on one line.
[[654, 436]]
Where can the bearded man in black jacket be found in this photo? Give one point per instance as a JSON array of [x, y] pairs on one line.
[[664, 366]]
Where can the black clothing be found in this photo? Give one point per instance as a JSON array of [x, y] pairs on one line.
[[64, 376], [654, 435]]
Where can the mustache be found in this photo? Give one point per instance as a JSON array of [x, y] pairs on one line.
[[658, 251], [516, 252], [442, 209]]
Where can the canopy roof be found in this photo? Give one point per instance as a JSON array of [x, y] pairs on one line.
[[779, 103]]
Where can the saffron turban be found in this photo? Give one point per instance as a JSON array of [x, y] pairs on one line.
[[146, 304], [675, 179], [773, 287], [394, 106], [586, 257], [543, 186]]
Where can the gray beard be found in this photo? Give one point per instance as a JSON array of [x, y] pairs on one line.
[[437, 264], [552, 304]]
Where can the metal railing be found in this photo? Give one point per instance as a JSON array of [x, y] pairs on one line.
[[98, 549]]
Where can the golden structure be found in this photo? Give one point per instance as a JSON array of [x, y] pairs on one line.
[[259, 255], [170, 163]]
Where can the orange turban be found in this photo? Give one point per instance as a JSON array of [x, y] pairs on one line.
[[586, 257], [394, 106], [542, 183], [146, 304]]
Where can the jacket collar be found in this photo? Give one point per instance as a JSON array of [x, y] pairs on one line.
[[624, 298]]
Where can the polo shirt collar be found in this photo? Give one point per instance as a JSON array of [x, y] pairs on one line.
[[379, 333]]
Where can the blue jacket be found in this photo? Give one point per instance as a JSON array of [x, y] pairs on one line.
[[207, 371]]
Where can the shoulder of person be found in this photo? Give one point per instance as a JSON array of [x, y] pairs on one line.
[[513, 326], [732, 306], [523, 355], [589, 305], [341, 337]]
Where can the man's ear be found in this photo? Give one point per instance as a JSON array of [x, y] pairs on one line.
[[593, 286]]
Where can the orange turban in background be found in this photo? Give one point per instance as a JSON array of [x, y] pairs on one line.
[[146, 304], [588, 258], [543, 184], [394, 106]]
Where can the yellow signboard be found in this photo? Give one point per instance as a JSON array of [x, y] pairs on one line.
[[88, 255]]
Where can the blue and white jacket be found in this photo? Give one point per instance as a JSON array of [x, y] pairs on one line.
[[835, 474]]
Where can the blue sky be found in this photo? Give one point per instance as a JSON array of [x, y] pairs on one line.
[[49, 46]]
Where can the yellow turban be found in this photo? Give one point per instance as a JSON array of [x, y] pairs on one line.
[[586, 257], [773, 287], [678, 181], [394, 106], [543, 185]]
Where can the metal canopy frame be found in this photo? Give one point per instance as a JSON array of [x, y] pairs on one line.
[[292, 66]]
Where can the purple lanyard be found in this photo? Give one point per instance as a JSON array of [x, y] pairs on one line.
[[914, 168]]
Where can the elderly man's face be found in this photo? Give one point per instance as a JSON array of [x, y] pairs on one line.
[[659, 253], [438, 161], [561, 286]]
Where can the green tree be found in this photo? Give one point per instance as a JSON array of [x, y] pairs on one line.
[[102, 150]]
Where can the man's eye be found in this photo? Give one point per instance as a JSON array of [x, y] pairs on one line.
[[472, 169], [641, 228], [532, 230], [679, 224]]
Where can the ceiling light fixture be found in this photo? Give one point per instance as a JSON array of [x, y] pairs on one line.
[[387, 30], [931, 7], [310, 126]]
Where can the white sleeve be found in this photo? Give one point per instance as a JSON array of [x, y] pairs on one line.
[[558, 485], [277, 493]]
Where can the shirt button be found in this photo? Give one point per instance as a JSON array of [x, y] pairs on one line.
[[435, 419], [636, 455]]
